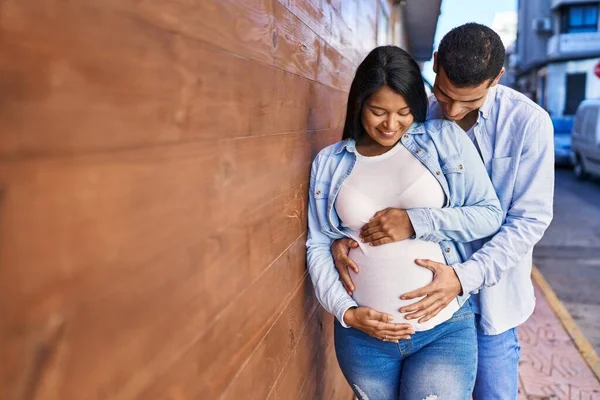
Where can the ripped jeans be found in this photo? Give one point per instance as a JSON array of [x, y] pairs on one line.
[[438, 364]]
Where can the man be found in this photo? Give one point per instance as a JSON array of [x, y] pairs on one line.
[[514, 138]]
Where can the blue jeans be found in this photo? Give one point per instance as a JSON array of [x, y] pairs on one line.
[[497, 367], [439, 362]]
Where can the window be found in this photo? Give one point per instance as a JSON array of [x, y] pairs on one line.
[[577, 19]]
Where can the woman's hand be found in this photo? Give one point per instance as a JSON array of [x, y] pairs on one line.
[[377, 324], [387, 226]]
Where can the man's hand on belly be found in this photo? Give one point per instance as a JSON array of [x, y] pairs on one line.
[[438, 294], [339, 250], [387, 226]]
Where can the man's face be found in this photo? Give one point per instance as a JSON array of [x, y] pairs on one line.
[[456, 103]]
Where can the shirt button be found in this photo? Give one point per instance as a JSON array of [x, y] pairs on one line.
[[405, 136], [318, 192], [418, 151], [460, 166], [447, 249], [437, 172]]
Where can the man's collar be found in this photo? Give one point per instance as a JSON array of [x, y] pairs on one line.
[[484, 110]]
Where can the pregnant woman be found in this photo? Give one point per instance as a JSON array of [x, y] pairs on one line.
[[392, 161]]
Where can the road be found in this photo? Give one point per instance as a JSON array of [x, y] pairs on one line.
[[569, 253]]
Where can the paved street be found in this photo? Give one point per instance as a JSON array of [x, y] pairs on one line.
[[569, 254]]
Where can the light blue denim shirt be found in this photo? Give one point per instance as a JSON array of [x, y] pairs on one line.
[[472, 210], [515, 137]]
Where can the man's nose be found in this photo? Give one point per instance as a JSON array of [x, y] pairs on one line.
[[453, 109]]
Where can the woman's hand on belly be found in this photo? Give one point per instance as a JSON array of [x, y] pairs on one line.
[[387, 226], [377, 324]]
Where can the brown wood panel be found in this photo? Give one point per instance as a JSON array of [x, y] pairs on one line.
[[90, 209], [243, 27], [314, 13], [255, 378], [145, 321], [298, 47], [153, 87], [328, 108], [313, 360], [213, 359], [262, 30], [324, 138], [96, 222], [335, 70]]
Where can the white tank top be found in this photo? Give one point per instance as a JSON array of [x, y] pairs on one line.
[[394, 179]]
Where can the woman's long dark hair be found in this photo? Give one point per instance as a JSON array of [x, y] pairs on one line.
[[385, 66]]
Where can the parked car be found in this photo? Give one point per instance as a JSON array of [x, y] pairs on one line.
[[562, 140], [585, 153]]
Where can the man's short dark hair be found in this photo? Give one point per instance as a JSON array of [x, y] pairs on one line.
[[385, 66], [471, 54]]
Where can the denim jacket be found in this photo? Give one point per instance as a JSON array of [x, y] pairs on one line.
[[472, 210]]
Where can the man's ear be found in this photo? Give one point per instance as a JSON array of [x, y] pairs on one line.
[[495, 82], [435, 66]]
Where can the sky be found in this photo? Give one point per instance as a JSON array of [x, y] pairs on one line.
[[458, 12]]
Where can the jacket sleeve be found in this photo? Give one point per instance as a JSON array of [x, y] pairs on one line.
[[481, 215], [325, 278], [528, 216]]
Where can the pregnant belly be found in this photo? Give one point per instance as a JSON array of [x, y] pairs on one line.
[[386, 272]]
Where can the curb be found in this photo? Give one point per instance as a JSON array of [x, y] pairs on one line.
[[584, 347]]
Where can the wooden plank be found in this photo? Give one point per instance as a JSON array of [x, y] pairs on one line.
[[242, 27], [119, 341], [84, 210], [256, 377], [313, 360], [262, 30], [298, 47], [126, 217], [154, 87], [323, 139], [328, 108], [314, 13], [335, 70], [212, 359]]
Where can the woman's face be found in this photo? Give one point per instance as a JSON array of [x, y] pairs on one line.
[[385, 117]]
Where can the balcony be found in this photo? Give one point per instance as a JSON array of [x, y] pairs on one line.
[[574, 44], [558, 3]]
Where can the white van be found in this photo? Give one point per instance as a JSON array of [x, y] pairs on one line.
[[585, 149]]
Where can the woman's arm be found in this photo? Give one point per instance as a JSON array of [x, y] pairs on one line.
[[481, 215], [328, 288]]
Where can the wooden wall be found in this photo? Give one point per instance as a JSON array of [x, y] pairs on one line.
[[154, 161]]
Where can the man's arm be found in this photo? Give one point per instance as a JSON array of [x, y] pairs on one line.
[[528, 216], [481, 216]]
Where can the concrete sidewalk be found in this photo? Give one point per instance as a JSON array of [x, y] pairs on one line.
[[557, 361]]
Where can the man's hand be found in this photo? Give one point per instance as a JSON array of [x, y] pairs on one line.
[[340, 249], [438, 294], [377, 324], [387, 226]]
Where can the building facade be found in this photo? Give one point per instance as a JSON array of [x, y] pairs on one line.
[[557, 56]]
